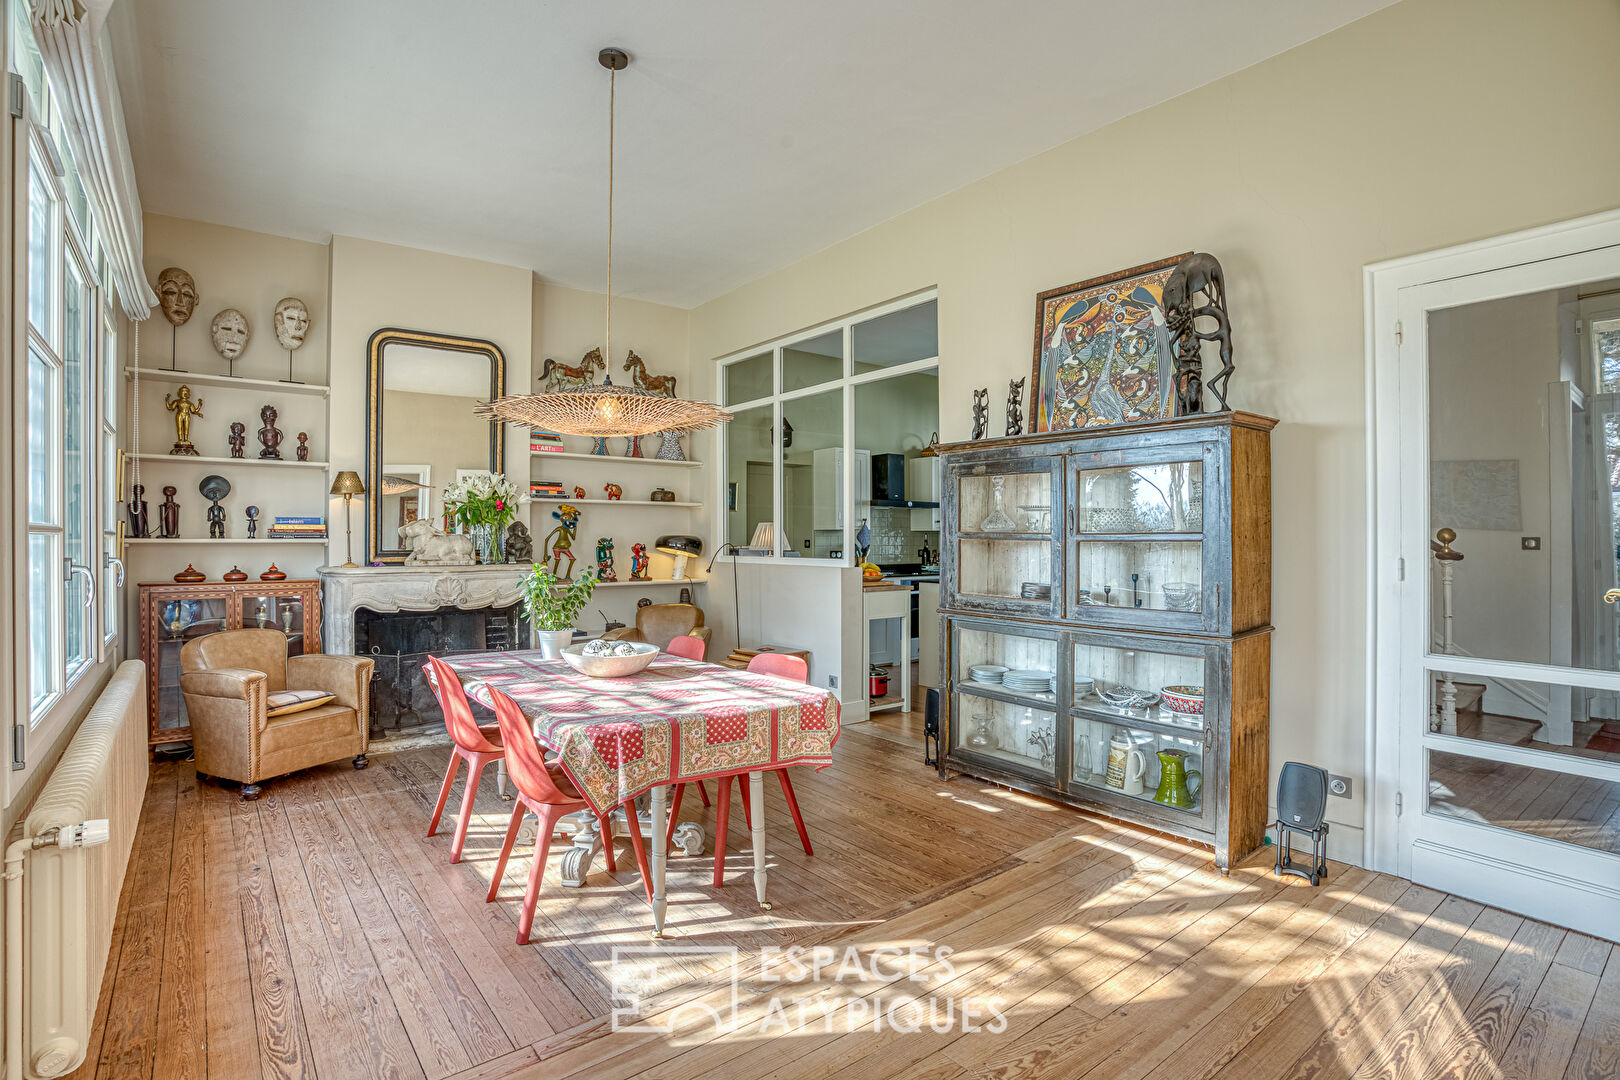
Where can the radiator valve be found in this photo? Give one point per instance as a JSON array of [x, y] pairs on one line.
[[85, 834]]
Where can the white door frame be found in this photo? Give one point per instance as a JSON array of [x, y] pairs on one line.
[[1478, 271]]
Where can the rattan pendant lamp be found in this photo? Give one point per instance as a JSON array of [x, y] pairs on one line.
[[605, 410]]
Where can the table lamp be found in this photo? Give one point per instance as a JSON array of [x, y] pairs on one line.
[[682, 548], [763, 542], [348, 485]]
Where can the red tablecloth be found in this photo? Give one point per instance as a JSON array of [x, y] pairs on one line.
[[677, 721]]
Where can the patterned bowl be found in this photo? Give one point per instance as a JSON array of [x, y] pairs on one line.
[[1184, 699], [609, 667]]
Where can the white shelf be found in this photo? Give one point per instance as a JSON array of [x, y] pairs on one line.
[[538, 501], [226, 540], [654, 581], [203, 378], [194, 459], [553, 455]]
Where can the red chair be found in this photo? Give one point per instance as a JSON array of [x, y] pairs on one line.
[[795, 669], [477, 746], [543, 788], [692, 648]]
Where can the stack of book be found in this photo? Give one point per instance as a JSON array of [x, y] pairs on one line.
[[546, 489], [295, 528], [545, 441]]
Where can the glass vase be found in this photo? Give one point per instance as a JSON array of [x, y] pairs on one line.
[[488, 542]]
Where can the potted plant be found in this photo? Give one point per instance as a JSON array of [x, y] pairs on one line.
[[485, 503], [552, 605]]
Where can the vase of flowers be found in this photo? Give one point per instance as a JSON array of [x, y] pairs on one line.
[[484, 504], [552, 605]]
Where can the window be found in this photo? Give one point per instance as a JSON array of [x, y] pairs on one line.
[[797, 469]]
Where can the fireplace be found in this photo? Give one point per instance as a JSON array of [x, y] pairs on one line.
[[400, 641]]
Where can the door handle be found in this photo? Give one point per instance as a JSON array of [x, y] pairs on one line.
[[118, 565], [1612, 596], [89, 580]]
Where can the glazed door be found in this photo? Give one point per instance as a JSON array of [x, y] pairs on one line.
[[1003, 555]]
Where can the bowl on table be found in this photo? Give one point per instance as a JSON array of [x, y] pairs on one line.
[[614, 665], [1184, 699]]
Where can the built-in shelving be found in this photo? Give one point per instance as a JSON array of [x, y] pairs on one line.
[[537, 501], [553, 455], [225, 540], [203, 378], [654, 581], [195, 459]]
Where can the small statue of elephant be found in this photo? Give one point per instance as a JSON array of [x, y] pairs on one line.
[[431, 547], [519, 543], [614, 491]]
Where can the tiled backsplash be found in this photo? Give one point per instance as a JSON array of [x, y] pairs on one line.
[[894, 540]]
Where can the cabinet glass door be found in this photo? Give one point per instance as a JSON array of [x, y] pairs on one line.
[[1005, 700], [1003, 556], [177, 622], [270, 610]]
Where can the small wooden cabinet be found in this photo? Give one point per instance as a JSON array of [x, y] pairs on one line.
[[173, 614], [1132, 558]]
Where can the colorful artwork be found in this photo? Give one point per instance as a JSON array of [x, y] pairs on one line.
[[1102, 351]]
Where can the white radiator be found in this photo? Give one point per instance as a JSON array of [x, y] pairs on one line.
[[71, 894]]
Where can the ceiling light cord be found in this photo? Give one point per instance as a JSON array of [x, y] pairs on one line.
[[607, 331]]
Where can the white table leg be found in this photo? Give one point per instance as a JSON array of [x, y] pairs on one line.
[[660, 857], [576, 861], [756, 796], [500, 778]]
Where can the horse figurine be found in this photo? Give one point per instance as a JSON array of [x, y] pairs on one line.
[[558, 376], [1197, 273], [654, 384]]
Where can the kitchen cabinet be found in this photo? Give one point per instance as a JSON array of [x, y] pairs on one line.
[[922, 485], [827, 482]]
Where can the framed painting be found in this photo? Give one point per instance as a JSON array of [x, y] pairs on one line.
[[1102, 351]]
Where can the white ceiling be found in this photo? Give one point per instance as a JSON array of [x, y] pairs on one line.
[[750, 134]]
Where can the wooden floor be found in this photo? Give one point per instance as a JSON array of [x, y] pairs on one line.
[[317, 933]]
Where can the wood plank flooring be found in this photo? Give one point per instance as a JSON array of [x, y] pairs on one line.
[[318, 934]]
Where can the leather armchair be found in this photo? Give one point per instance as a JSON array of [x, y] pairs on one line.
[[226, 679], [662, 623]]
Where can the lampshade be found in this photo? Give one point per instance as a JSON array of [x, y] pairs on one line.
[[680, 545], [764, 536], [348, 483]]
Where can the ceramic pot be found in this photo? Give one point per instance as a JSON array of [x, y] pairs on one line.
[[1126, 766], [1174, 778], [551, 642]]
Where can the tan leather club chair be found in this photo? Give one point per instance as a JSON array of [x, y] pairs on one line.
[[661, 623], [257, 712]]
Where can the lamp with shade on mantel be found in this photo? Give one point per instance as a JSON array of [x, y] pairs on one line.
[[680, 548], [348, 484]]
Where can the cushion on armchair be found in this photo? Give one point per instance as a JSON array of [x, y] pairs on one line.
[[287, 702]]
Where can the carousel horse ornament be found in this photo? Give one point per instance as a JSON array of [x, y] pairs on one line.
[[654, 384], [1197, 273], [557, 376]]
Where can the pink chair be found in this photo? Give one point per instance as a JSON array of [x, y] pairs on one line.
[[543, 788], [692, 648], [477, 746]]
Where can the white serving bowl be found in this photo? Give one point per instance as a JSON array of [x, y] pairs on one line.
[[609, 667]]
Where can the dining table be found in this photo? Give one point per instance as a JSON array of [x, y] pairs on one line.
[[676, 721]]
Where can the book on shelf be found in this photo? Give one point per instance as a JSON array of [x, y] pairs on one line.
[[300, 521]]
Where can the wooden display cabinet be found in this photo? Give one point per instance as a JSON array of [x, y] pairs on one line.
[[173, 614], [1128, 558]]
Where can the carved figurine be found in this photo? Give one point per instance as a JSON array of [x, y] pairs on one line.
[[138, 528], [981, 412], [579, 492], [638, 562], [303, 446], [670, 448], [269, 434], [1199, 272], [169, 514], [177, 295], [519, 544], [291, 322], [430, 546], [614, 491], [214, 488], [558, 376], [1015, 414], [253, 522], [184, 409], [237, 438], [229, 331], [560, 541], [663, 385], [604, 559], [632, 446]]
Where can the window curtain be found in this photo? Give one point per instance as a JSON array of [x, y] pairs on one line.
[[78, 61]]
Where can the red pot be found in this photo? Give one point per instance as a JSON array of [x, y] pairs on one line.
[[877, 685]]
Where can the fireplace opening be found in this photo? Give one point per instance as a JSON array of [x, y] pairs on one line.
[[400, 642]]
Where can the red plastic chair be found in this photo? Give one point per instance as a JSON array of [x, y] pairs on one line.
[[542, 788], [688, 646], [477, 746]]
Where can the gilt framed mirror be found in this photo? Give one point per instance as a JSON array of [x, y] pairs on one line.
[[420, 428]]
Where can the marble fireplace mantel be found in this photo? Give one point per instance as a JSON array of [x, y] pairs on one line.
[[410, 588]]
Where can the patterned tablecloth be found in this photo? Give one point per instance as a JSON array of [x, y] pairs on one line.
[[679, 720]]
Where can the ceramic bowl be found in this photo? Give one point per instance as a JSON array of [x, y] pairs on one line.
[[609, 667], [1184, 699], [1083, 686]]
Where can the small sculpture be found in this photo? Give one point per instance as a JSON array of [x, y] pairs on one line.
[[214, 488], [303, 446], [177, 295], [169, 514], [229, 331], [519, 544], [670, 448], [235, 574], [560, 541], [138, 529], [430, 546], [557, 376], [1015, 414], [632, 446], [273, 574], [579, 492], [638, 562], [184, 409], [599, 446], [269, 434], [1199, 272], [654, 384], [614, 491], [662, 495], [287, 620], [645, 601], [253, 522], [604, 559], [981, 412], [291, 323], [189, 576], [610, 624], [238, 438]]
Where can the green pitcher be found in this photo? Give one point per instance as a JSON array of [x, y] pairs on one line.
[[1173, 778]]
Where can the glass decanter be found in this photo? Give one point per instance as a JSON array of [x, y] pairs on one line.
[[981, 739], [997, 520]]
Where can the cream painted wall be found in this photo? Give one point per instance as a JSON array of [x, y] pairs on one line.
[[1430, 123]]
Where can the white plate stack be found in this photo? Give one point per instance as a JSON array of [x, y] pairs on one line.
[[988, 674], [1028, 682]]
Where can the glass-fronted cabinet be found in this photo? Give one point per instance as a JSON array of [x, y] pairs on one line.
[[1000, 538], [266, 608], [1006, 695]]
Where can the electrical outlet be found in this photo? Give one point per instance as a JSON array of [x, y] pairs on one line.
[[832, 682], [1339, 785], [1530, 543]]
